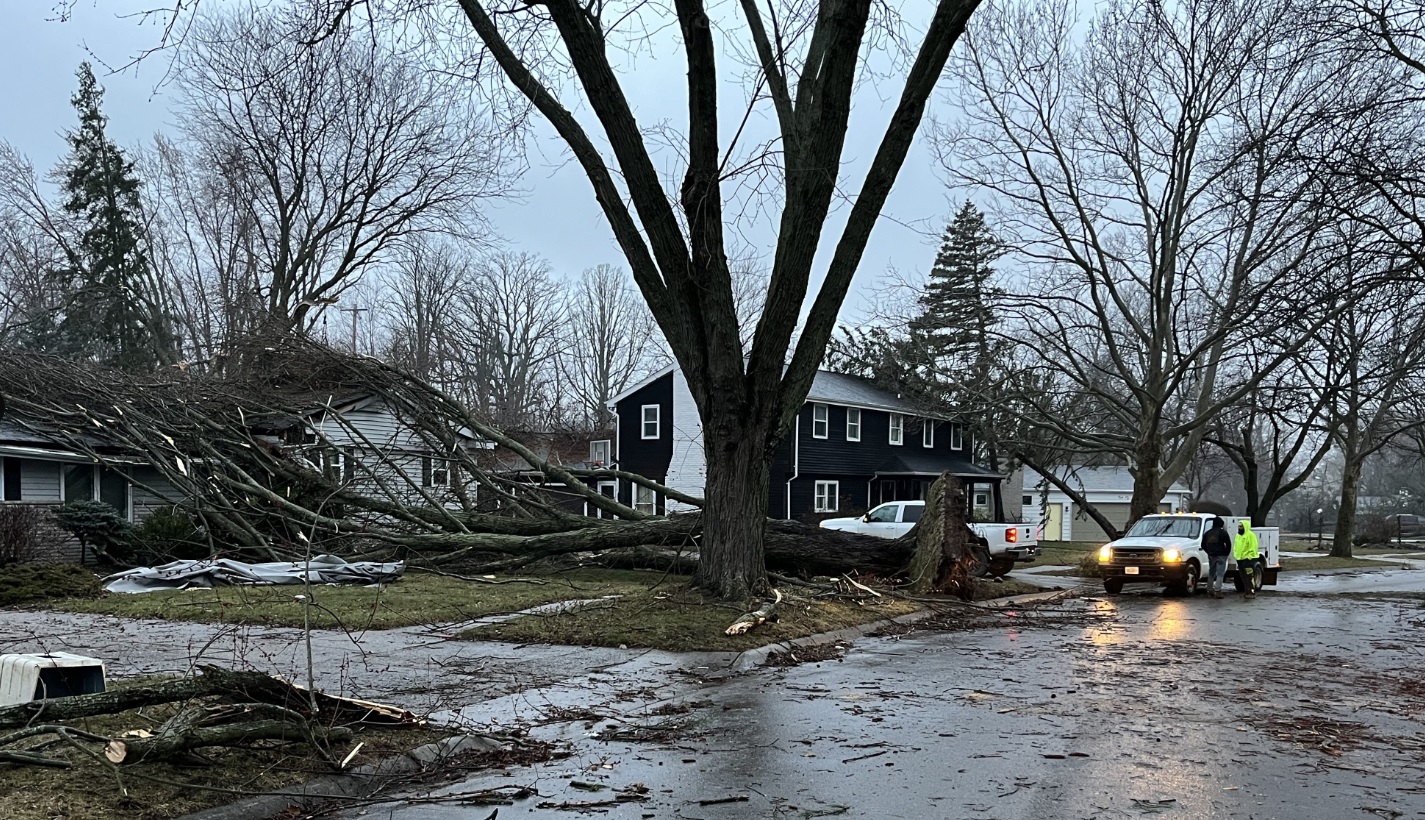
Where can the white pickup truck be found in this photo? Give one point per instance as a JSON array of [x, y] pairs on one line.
[[1007, 543], [1166, 550]]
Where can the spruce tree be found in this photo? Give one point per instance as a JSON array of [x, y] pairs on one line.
[[962, 361], [956, 324], [104, 318]]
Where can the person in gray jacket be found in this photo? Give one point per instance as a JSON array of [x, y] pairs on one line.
[[1218, 546]]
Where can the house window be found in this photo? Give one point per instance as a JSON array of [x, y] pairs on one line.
[[826, 493], [897, 428], [853, 424], [88, 482], [820, 421], [644, 499], [1027, 500], [9, 479], [982, 500], [957, 441], [608, 489], [434, 473], [78, 482], [599, 452], [650, 421], [927, 433]]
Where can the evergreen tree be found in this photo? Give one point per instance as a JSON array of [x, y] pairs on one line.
[[106, 315], [955, 327], [953, 344]]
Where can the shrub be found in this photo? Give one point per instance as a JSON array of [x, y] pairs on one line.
[[1372, 529], [98, 526], [19, 533], [27, 583], [167, 534], [1088, 565]]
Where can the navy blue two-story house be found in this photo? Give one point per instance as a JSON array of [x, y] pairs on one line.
[[854, 446]]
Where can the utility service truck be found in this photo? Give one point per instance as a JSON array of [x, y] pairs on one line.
[[1166, 550], [1006, 543]]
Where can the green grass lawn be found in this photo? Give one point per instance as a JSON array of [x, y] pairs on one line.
[[1065, 553], [418, 598], [626, 608]]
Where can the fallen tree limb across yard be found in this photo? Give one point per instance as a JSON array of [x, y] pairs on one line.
[[253, 687]]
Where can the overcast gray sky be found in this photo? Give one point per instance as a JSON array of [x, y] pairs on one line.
[[557, 215]]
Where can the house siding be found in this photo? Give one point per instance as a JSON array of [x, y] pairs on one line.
[[39, 481], [687, 467], [649, 458]]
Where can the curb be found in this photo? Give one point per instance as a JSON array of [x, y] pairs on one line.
[[1029, 598], [753, 658], [360, 782]]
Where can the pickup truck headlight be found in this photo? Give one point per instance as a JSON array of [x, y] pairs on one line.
[[1172, 556], [1105, 553]]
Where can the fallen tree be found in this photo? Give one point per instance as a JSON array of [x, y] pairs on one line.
[[219, 707], [248, 451]]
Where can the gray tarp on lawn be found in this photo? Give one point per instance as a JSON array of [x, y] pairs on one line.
[[323, 569]]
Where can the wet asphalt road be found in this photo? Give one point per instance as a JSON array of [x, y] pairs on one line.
[[1282, 707]]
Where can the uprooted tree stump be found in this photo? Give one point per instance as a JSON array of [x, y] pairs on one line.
[[947, 555]]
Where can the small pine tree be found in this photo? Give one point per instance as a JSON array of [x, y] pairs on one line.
[[103, 318]]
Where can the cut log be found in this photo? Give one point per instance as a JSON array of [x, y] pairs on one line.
[[121, 700], [255, 687], [186, 736], [757, 617]]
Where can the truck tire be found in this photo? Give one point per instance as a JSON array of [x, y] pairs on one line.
[[1113, 586], [1187, 587], [1241, 585], [1001, 566]]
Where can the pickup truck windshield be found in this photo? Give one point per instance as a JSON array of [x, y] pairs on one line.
[[1170, 526]]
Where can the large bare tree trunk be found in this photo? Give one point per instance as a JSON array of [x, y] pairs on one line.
[[1341, 546], [731, 560]]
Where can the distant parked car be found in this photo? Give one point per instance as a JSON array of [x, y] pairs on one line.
[[1406, 525]]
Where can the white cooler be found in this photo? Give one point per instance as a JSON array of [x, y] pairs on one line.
[[24, 678]]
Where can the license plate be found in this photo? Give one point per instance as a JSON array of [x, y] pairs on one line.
[[1130, 570]]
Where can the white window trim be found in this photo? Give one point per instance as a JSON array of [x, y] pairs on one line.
[[651, 504], [957, 437], [823, 423], [849, 425], [826, 496], [927, 434], [599, 488], [607, 448], [644, 421], [896, 434]]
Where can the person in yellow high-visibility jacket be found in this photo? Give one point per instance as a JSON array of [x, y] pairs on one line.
[[1244, 551]]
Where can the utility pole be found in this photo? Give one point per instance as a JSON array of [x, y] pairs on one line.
[[353, 311]]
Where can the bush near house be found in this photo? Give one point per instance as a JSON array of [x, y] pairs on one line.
[[19, 533], [98, 526], [28, 583]]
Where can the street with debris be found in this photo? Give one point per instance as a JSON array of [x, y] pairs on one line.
[[1283, 707]]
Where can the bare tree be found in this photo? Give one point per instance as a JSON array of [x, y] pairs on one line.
[[1278, 433], [1374, 359], [512, 322], [425, 289], [341, 147], [676, 242], [1149, 177], [610, 342]]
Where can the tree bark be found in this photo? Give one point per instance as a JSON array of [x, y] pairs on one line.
[[732, 555], [1147, 474], [941, 560], [1341, 543], [212, 682]]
